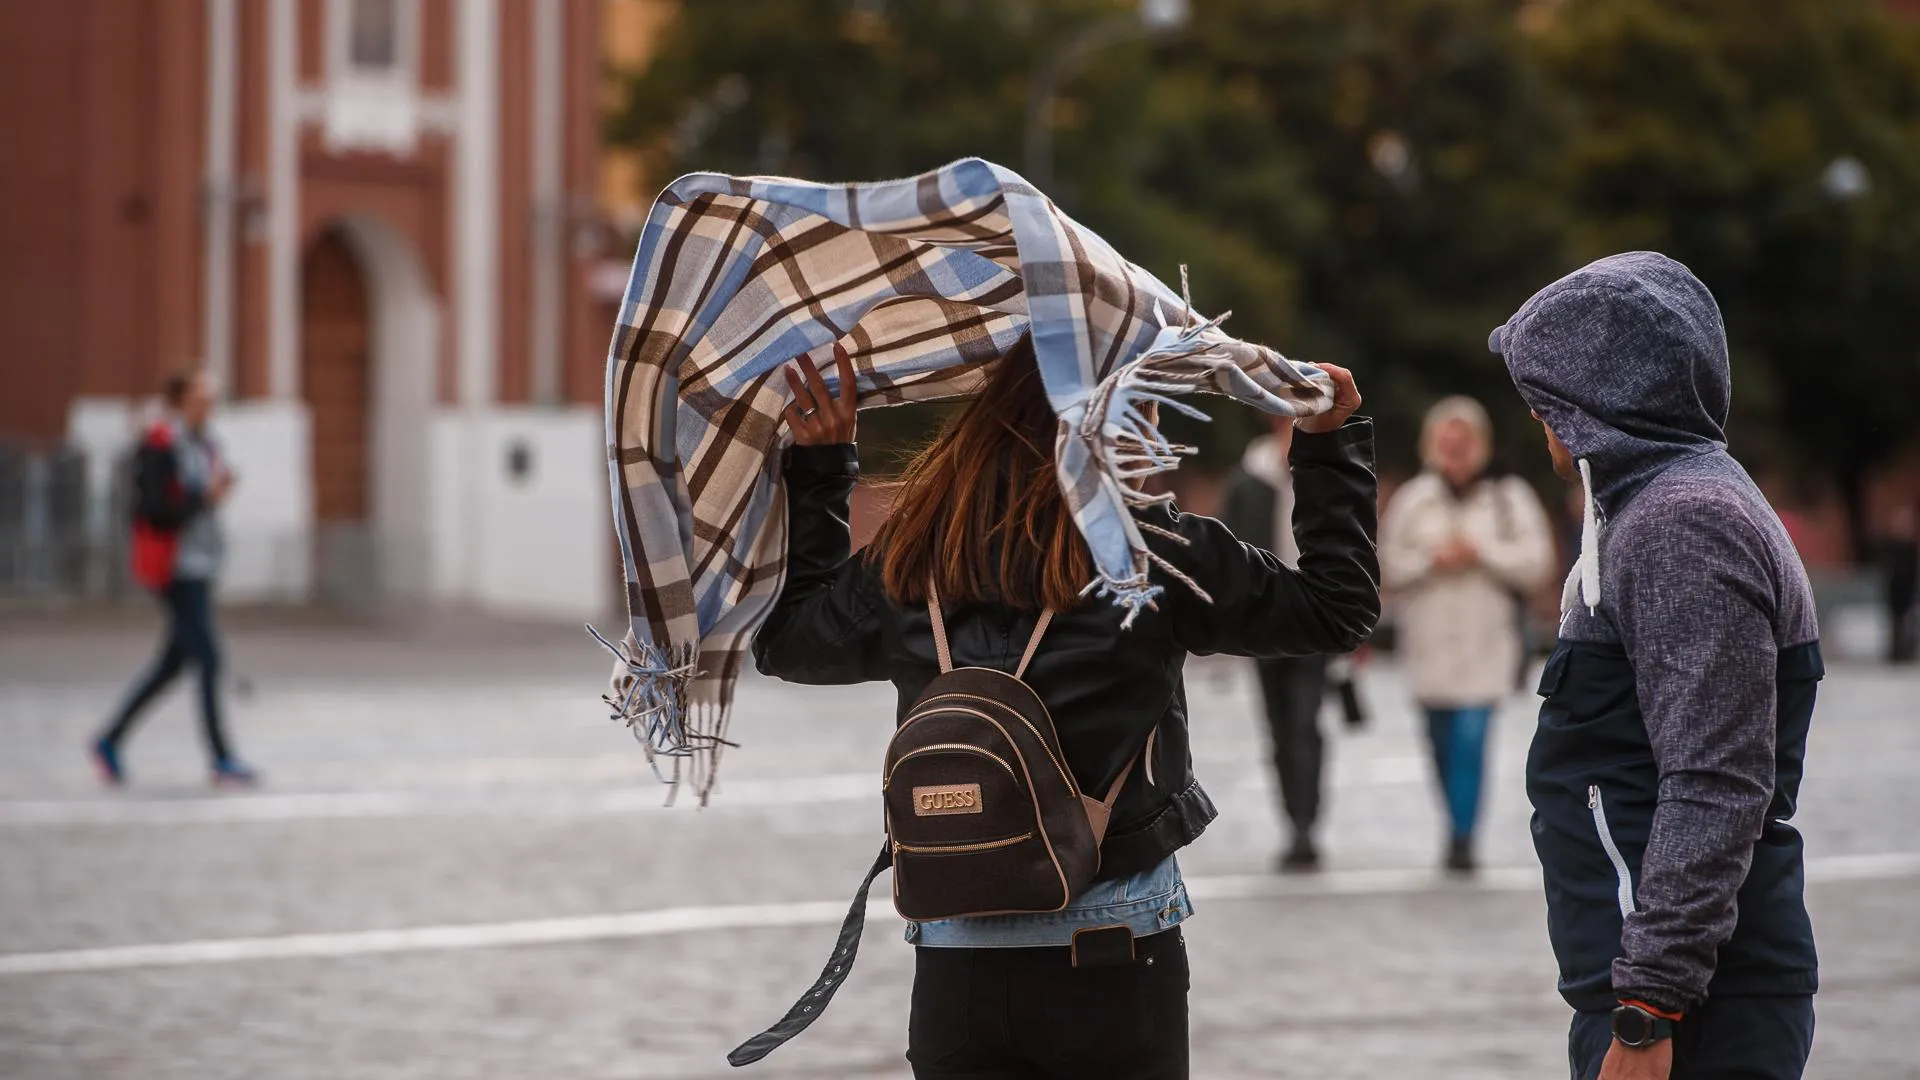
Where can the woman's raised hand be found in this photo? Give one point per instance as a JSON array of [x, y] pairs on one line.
[[817, 417], [1346, 398]]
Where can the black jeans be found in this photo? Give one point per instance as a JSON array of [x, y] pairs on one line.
[[1741, 1038], [1028, 1014], [1293, 687], [190, 639]]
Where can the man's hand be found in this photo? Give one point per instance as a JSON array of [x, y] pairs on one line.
[[1457, 554], [1346, 399], [222, 483], [817, 417], [1625, 1063]]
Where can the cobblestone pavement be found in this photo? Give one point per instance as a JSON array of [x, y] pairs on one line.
[[458, 869]]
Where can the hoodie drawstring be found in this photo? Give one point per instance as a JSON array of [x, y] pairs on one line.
[[1588, 565]]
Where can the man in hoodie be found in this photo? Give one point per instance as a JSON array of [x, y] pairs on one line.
[[1670, 746], [179, 481], [1259, 511]]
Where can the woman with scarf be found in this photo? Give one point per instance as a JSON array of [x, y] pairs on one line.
[[980, 513], [1461, 548]]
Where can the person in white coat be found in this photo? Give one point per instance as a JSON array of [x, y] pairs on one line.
[[1461, 548]]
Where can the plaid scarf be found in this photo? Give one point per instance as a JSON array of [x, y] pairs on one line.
[[926, 281]]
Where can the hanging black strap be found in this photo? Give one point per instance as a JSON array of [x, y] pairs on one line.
[[839, 966]]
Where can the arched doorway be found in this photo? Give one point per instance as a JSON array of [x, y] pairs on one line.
[[336, 377], [369, 343]]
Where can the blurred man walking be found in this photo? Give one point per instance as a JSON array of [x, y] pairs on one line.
[[1670, 747], [1259, 510], [179, 481]]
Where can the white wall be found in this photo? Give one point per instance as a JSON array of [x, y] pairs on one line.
[[103, 428], [538, 545], [268, 517]]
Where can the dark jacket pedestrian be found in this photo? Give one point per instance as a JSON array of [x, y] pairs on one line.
[[180, 479], [1667, 762], [981, 513], [1900, 565], [1259, 511]]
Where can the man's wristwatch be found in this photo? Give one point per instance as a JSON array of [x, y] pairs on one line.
[[1639, 1026]]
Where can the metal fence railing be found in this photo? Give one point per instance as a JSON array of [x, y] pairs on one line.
[[62, 530]]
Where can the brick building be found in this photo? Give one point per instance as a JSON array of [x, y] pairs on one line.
[[379, 223]]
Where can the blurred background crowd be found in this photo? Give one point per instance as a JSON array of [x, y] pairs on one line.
[[396, 232]]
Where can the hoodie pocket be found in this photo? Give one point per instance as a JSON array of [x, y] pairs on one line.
[[1623, 879]]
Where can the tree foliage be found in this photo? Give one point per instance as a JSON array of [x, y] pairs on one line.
[[1379, 182]]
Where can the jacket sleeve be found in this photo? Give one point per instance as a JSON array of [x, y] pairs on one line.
[[824, 629], [1239, 512], [159, 499], [1404, 560], [1693, 603], [1521, 553], [1259, 606]]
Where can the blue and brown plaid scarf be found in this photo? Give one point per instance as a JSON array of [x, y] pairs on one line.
[[926, 281]]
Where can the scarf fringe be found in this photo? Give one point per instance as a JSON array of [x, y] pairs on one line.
[[1128, 448], [651, 693]]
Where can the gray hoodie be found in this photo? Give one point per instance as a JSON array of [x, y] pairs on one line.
[[1677, 713]]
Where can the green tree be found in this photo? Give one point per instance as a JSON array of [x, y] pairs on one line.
[[1778, 156], [1379, 182], [1391, 160], [1358, 180]]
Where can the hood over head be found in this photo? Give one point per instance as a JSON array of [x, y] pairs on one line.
[[1626, 360]]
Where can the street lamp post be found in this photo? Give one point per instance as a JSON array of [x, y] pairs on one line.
[[1150, 17]]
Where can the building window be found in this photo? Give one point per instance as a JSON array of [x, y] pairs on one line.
[[373, 35], [373, 41]]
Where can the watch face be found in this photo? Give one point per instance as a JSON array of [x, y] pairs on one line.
[[1631, 1026]]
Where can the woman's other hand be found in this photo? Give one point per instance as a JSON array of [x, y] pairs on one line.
[[1346, 399], [817, 417]]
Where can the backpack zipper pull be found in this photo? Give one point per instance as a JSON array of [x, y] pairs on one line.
[[1593, 796]]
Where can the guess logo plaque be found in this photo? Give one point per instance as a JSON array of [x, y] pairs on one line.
[[946, 799]]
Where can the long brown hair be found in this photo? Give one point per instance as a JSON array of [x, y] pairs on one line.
[[980, 508]]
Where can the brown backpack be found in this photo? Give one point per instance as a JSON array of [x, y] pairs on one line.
[[983, 815]]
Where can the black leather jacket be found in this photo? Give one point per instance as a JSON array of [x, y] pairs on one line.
[[1108, 689]]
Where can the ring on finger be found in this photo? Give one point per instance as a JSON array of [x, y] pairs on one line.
[[807, 414]]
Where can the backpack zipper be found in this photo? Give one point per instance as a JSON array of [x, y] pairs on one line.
[[945, 747], [960, 849], [1623, 880]]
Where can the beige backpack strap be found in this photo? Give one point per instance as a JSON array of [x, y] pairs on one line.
[[1039, 631], [945, 653], [1100, 811], [939, 627]]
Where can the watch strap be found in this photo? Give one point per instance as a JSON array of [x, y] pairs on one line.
[[1659, 1025]]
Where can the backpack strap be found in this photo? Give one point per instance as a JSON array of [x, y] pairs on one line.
[[939, 627], [1033, 643], [1100, 811], [945, 653], [814, 1002]]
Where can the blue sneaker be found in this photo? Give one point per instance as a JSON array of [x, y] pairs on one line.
[[229, 772], [106, 763]]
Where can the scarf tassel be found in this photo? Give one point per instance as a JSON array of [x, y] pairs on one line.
[[651, 693]]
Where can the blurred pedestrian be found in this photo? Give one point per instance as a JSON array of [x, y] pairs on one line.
[[180, 479], [1259, 510], [1668, 756], [1462, 547], [978, 566], [1900, 562]]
